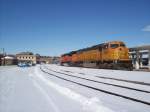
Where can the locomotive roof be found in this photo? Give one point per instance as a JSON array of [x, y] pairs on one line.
[[70, 53], [97, 46], [90, 48]]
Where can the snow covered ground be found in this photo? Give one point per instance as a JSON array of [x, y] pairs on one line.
[[32, 90]]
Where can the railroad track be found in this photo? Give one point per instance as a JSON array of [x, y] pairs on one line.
[[94, 88], [100, 82], [116, 79], [129, 81]]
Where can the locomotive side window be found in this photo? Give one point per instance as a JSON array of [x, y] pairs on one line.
[[114, 45], [105, 46]]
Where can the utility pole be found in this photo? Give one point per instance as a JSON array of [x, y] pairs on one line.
[[4, 55]]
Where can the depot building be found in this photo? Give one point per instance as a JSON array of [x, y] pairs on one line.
[[26, 57]]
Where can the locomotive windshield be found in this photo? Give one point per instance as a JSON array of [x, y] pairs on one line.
[[122, 45], [114, 45]]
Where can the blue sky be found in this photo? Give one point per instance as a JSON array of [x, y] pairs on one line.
[[53, 27]]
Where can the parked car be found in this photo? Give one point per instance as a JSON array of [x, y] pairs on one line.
[[23, 64]]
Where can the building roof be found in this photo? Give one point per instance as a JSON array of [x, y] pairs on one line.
[[25, 53], [8, 57], [45, 56], [144, 47]]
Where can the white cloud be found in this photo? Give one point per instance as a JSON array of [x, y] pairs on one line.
[[146, 28]]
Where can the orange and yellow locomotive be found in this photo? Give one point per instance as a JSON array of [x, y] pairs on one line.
[[112, 55]]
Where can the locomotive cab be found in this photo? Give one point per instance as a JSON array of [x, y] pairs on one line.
[[119, 54], [119, 51]]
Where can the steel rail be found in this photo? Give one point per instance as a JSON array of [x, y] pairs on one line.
[[97, 89]]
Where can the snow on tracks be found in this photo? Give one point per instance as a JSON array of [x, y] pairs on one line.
[[89, 105], [131, 95]]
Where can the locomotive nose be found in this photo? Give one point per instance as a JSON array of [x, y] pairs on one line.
[[123, 53]]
